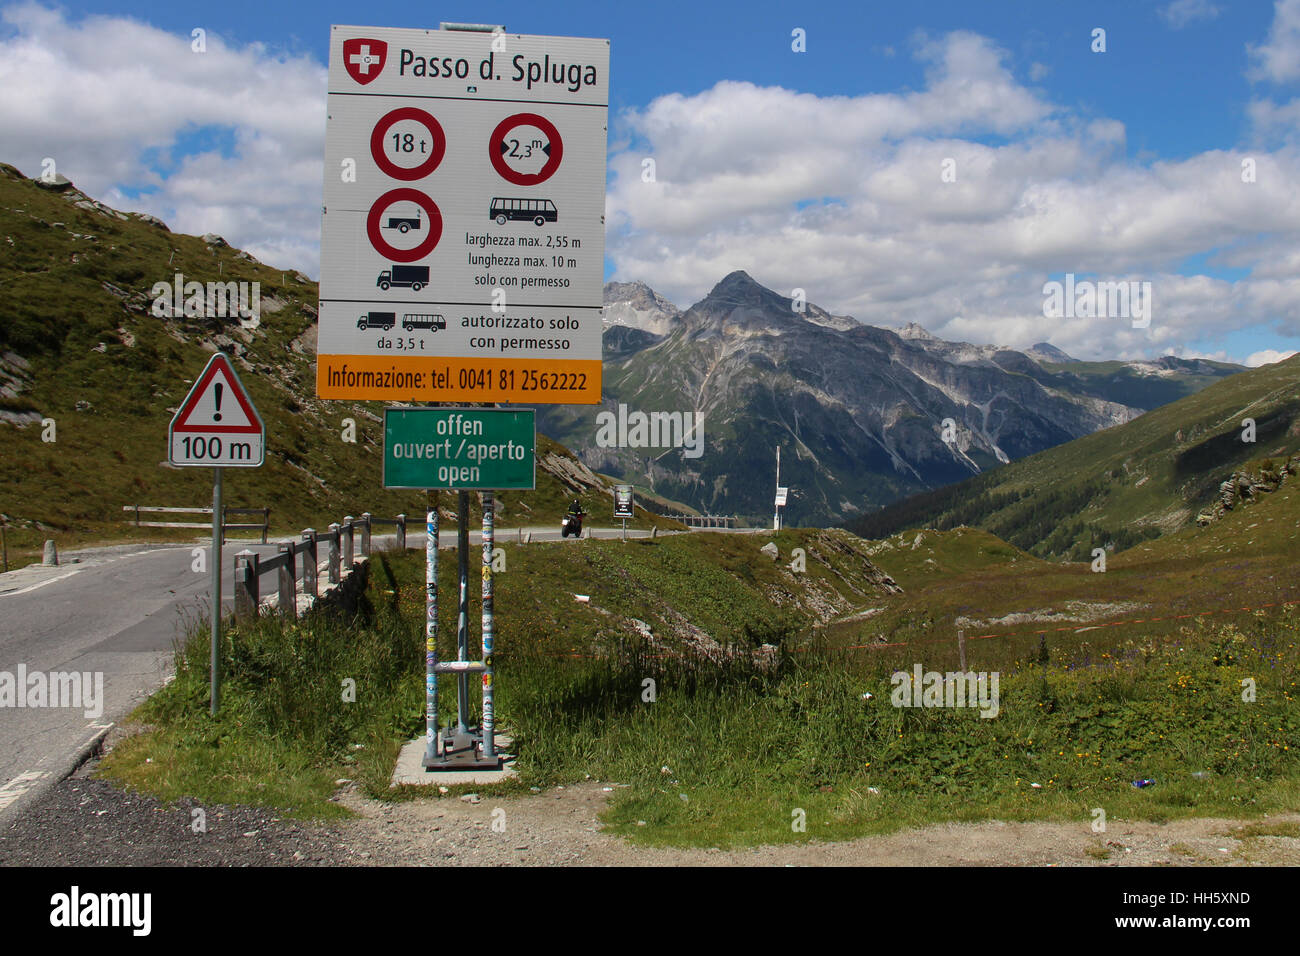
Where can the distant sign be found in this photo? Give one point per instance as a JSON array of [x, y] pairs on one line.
[[464, 180], [624, 506], [217, 425], [781, 495], [464, 449]]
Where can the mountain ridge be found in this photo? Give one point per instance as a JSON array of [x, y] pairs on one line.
[[863, 409]]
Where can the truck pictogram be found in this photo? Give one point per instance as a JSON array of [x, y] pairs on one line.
[[377, 320], [414, 278]]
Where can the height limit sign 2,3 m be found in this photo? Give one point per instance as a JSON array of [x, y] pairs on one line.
[[463, 234]]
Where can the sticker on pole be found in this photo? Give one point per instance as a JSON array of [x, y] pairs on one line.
[[217, 425]]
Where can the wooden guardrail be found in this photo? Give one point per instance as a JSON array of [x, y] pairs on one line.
[[226, 525], [299, 561]]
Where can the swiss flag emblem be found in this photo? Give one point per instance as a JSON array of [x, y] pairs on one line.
[[364, 59]]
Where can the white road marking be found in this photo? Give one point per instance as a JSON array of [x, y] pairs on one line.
[[19, 785], [41, 584]]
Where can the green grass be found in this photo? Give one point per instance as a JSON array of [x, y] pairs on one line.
[[746, 744]]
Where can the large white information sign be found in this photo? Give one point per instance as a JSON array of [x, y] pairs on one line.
[[463, 233]]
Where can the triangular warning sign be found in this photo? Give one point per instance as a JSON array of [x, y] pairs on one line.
[[218, 403]]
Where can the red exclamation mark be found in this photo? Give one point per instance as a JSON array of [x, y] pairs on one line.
[[217, 416]]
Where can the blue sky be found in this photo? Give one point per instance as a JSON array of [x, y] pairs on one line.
[[1126, 160]]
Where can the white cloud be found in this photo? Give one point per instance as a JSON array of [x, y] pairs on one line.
[[844, 197], [1277, 60], [1180, 13], [109, 97], [1267, 357]]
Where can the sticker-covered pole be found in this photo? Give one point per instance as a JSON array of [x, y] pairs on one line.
[[431, 628], [462, 617], [489, 715], [215, 557]]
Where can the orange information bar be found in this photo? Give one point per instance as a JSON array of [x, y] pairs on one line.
[[410, 378]]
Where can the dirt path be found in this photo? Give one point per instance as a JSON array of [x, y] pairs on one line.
[[560, 827]]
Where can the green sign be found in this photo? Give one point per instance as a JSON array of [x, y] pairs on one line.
[[462, 449]]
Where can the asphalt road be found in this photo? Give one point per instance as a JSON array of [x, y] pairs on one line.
[[116, 612]]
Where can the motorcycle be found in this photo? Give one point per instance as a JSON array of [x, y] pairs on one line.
[[571, 524]]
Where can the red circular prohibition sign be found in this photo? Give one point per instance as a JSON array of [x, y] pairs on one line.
[[498, 138], [380, 132], [406, 194]]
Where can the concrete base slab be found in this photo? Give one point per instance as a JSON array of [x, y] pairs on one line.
[[410, 768]]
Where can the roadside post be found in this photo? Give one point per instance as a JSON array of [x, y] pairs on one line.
[[462, 267], [624, 506], [217, 427]]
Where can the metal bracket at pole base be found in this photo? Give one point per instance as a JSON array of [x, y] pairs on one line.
[[462, 750]]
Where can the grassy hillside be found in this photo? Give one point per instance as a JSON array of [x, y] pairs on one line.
[[1123, 485], [1141, 385], [79, 345], [1012, 605]]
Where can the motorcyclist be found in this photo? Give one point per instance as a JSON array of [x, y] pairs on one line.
[[573, 518]]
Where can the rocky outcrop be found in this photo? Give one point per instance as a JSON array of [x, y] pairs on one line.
[[570, 472], [1244, 487]]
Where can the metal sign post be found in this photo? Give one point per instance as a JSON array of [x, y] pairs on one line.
[[431, 628], [218, 533], [776, 517], [489, 715], [624, 506], [218, 427]]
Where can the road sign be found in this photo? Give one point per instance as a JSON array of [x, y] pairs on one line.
[[217, 425], [781, 495], [465, 449], [623, 502], [464, 178]]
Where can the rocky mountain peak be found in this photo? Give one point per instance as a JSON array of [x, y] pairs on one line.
[[637, 306], [914, 331]]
